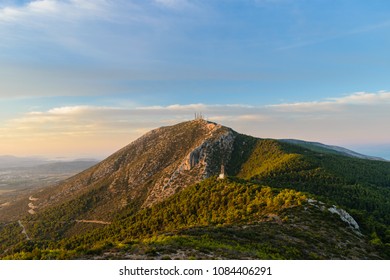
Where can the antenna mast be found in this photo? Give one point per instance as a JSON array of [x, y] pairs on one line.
[[199, 116]]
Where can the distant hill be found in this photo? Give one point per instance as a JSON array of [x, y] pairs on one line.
[[319, 147], [60, 167], [43, 165], [159, 197], [7, 161]]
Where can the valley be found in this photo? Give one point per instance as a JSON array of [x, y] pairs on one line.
[[24, 176]]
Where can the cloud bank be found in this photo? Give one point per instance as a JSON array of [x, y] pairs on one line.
[[355, 119]]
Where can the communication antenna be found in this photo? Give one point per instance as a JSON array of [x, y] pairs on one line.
[[199, 116]]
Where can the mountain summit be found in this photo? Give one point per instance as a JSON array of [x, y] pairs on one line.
[[166, 182]]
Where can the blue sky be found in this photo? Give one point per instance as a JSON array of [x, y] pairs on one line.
[[85, 77]]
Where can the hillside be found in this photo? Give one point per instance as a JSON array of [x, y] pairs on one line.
[[154, 196], [148, 170], [319, 147]]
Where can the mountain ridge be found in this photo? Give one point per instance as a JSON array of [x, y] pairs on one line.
[[316, 146]]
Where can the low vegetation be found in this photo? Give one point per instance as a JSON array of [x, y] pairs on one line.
[[230, 218]]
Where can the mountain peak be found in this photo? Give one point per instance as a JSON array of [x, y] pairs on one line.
[[205, 146]]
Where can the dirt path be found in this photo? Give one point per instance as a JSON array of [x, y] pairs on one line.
[[94, 222], [32, 206], [23, 230], [31, 198]]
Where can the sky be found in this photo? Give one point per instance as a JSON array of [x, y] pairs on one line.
[[83, 78]]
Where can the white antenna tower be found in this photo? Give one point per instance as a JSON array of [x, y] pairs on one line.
[[199, 116]]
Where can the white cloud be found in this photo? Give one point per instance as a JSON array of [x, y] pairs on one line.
[[304, 106], [252, 118], [71, 24], [99, 45], [336, 104], [356, 119], [364, 98], [10, 14], [94, 119], [55, 10], [61, 110], [175, 107], [198, 107], [43, 6], [47, 27]]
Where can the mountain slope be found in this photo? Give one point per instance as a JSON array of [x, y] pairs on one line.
[[361, 186], [143, 173], [319, 147], [218, 219], [127, 197], [354, 183]]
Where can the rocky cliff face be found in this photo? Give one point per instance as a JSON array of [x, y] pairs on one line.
[[202, 160]]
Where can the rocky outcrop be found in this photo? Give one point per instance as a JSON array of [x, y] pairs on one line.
[[202, 161], [344, 216]]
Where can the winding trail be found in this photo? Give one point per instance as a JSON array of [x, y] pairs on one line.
[[31, 205], [32, 212], [31, 198], [23, 230]]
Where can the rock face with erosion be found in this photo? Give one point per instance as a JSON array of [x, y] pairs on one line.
[[202, 160]]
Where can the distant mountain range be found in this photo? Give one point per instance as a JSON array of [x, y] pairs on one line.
[[319, 147], [7, 161], [161, 197]]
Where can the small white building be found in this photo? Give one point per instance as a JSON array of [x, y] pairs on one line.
[[222, 175]]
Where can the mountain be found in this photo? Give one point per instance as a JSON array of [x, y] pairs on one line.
[[160, 197], [148, 170], [319, 147]]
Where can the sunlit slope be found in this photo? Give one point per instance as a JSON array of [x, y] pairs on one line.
[[360, 185]]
